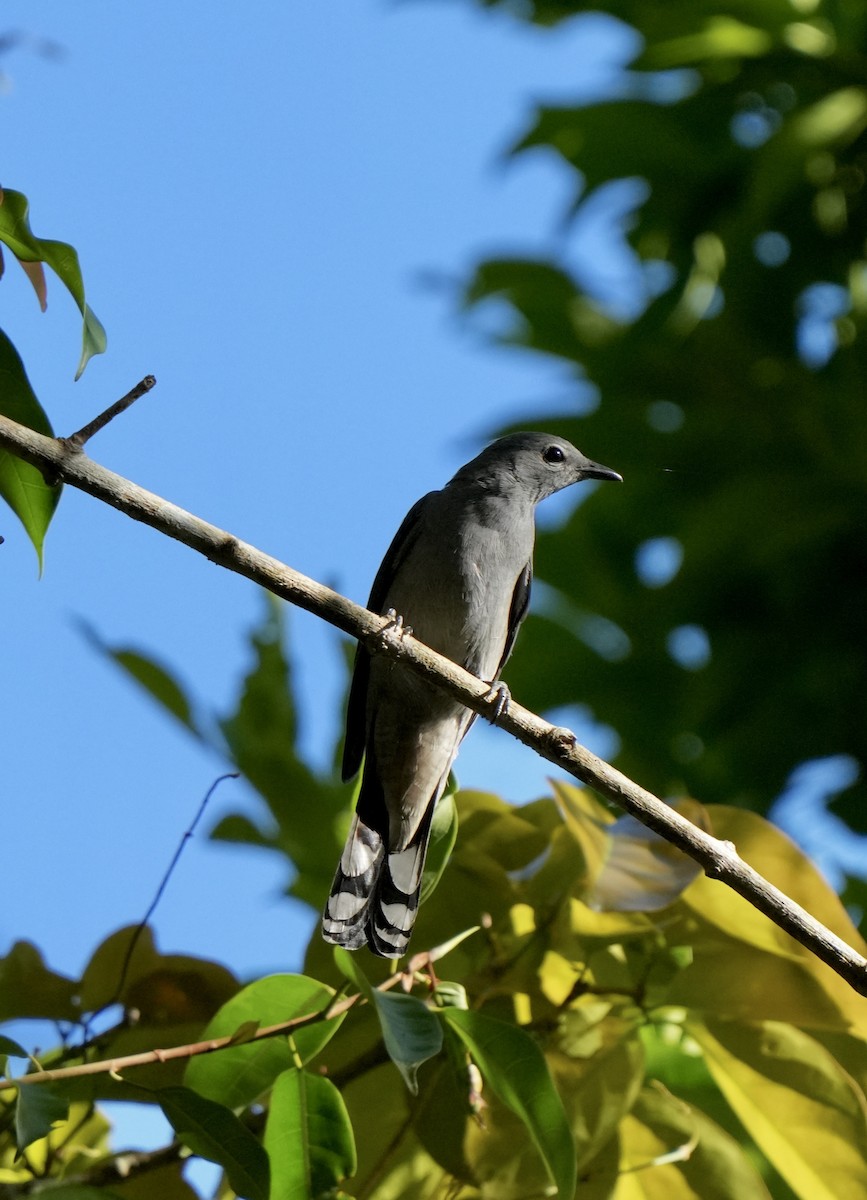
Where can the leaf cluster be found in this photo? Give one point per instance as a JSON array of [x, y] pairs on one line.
[[610, 1020], [723, 584]]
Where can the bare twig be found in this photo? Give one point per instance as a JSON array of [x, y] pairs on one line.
[[719, 859], [77, 440], [142, 925]]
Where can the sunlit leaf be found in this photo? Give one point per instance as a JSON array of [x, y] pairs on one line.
[[777, 977], [515, 1069], [240, 1074], [799, 1105], [589, 822], [644, 871], [308, 1137]]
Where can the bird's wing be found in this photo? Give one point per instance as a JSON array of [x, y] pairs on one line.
[[517, 611], [356, 711]]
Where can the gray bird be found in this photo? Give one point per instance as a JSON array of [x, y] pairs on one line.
[[458, 572]]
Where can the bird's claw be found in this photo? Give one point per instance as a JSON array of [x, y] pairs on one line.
[[500, 697], [395, 629]]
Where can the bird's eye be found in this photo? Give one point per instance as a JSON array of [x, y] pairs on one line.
[[554, 454]]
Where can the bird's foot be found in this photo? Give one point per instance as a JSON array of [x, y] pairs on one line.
[[395, 630], [499, 696]]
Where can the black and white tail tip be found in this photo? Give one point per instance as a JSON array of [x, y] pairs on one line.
[[375, 894]]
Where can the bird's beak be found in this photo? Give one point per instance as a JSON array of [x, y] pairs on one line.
[[592, 470]]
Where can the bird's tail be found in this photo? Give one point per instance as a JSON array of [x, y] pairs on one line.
[[344, 921], [375, 894]]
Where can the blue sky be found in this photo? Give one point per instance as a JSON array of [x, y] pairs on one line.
[[260, 205]]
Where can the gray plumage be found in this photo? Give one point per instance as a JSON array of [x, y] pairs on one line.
[[458, 571]]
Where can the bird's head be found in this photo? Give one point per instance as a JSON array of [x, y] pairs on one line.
[[537, 464]]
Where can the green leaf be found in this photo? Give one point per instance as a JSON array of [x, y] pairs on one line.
[[164, 988], [11, 1049], [684, 1152], [15, 231], [307, 808], [22, 486], [443, 835], [238, 827], [450, 995], [29, 989], [156, 680], [38, 1107], [515, 1068], [240, 1074], [308, 1137], [799, 1105], [731, 940], [215, 1133], [410, 1030], [164, 1183]]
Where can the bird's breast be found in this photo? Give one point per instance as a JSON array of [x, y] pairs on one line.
[[456, 592]]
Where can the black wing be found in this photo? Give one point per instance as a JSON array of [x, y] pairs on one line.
[[518, 610], [356, 710]]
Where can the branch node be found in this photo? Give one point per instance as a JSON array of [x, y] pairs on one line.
[[562, 740], [724, 853]]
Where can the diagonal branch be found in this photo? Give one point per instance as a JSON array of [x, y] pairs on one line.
[[719, 859]]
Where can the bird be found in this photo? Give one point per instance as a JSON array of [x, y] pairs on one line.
[[458, 572]]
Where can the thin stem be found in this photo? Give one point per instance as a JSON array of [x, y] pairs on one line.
[[142, 925], [114, 1066], [77, 440]]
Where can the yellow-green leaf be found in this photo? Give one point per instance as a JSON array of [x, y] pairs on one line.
[[798, 1104], [672, 1151]]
